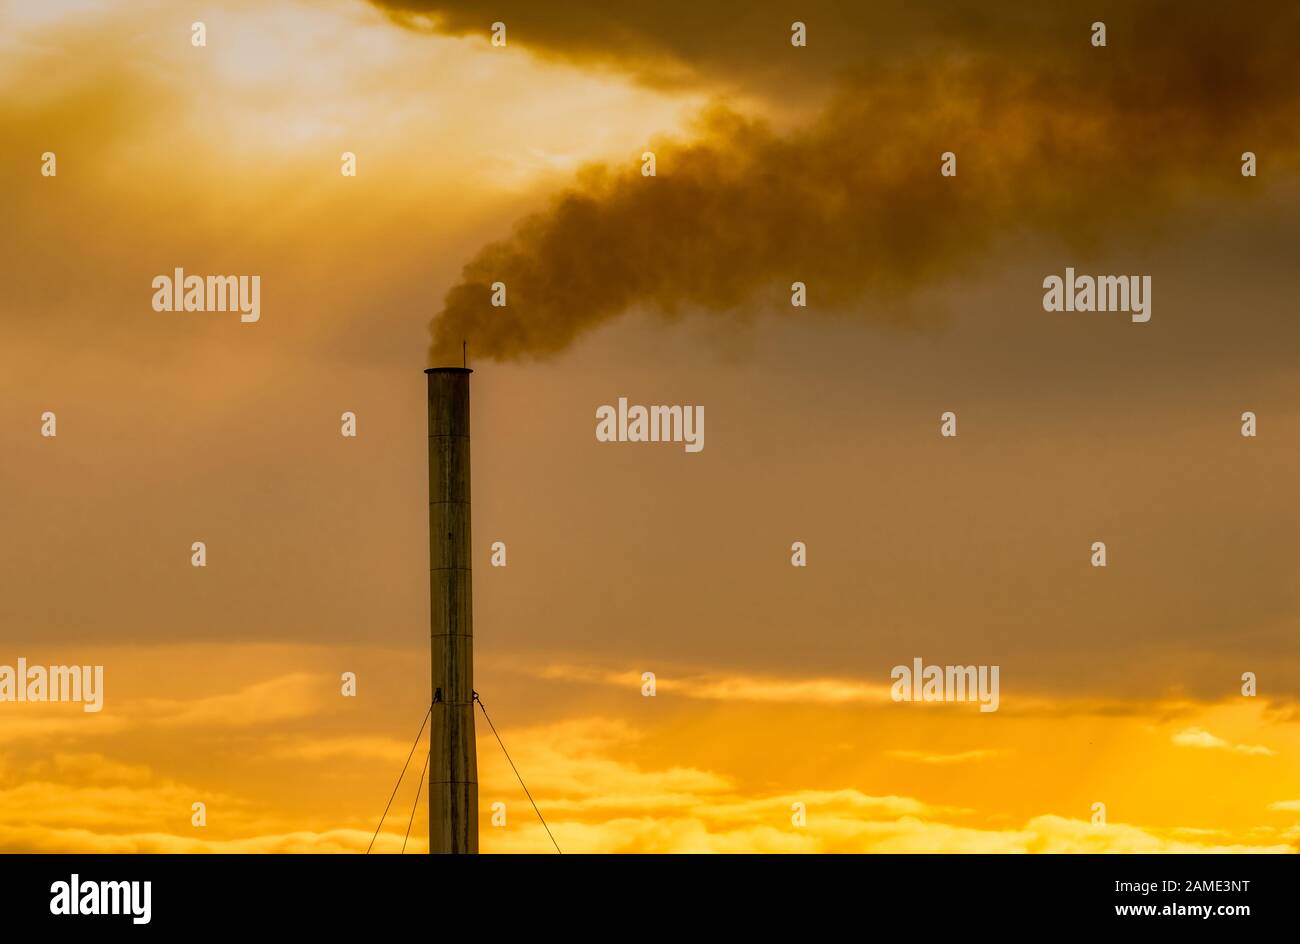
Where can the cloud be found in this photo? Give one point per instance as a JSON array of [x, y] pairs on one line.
[[1058, 139], [729, 686], [597, 803], [94, 803], [99, 769], [840, 803], [571, 764], [289, 697], [333, 748], [839, 830], [1058, 834], [943, 760], [660, 834], [745, 46], [57, 720], [28, 839], [93, 792], [1200, 738], [604, 786], [296, 695]]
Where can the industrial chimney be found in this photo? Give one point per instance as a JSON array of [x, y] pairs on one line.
[[453, 764]]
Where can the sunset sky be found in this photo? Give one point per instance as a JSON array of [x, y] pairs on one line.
[[774, 164]]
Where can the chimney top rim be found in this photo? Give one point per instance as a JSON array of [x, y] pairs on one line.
[[449, 370]]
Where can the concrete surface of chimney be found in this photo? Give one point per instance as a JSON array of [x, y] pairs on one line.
[[453, 762]]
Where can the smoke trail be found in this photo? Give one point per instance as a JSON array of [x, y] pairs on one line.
[[1083, 145]]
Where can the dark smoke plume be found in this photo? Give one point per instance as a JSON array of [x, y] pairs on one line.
[[1055, 137]]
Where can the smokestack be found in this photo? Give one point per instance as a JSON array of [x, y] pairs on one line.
[[453, 763]]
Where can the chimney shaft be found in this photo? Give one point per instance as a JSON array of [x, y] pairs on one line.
[[453, 764]]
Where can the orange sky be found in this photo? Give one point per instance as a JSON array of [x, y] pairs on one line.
[[1119, 686]]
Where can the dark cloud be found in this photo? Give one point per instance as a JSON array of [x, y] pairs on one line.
[[1053, 137], [746, 43]]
